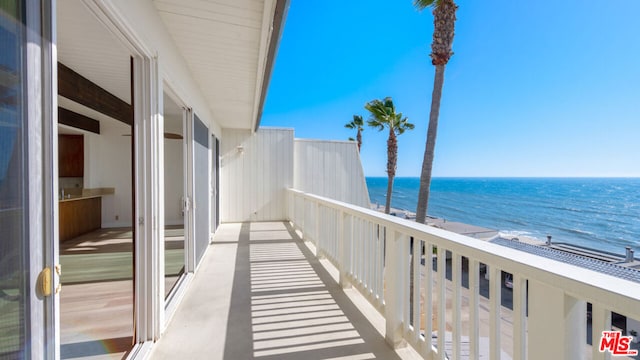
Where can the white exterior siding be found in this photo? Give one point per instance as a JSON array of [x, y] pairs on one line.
[[331, 169], [254, 179]]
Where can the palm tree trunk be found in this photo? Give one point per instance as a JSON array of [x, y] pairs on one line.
[[359, 138], [392, 158], [387, 205], [429, 151]]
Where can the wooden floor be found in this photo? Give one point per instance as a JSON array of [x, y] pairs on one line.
[[96, 316]]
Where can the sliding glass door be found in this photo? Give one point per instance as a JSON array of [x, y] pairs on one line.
[[26, 242]]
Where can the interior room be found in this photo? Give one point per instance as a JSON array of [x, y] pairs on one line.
[[95, 119]]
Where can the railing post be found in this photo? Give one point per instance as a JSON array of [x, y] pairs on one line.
[[393, 295], [316, 232], [601, 320], [557, 323]]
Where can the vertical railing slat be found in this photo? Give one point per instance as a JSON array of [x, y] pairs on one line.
[[370, 247], [361, 241], [428, 297], [348, 239], [417, 249], [374, 260], [456, 304], [494, 312], [474, 325], [381, 237], [442, 300], [316, 228]]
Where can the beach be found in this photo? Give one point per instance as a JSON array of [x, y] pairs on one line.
[[474, 231]]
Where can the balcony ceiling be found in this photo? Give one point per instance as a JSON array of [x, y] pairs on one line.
[[225, 43]]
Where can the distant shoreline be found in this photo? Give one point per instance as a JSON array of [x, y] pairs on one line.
[[474, 231], [595, 213], [495, 236]]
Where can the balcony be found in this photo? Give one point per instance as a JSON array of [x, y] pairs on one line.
[[339, 281], [262, 294]]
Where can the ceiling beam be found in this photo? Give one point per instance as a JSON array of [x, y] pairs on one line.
[[75, 87], [78, 121]]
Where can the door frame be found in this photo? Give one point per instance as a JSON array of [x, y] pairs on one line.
[[39, 146], [172, 299], [148, 150]]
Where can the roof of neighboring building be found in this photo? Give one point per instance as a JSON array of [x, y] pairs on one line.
[[573, 258]]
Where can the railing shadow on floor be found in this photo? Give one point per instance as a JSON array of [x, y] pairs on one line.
[[285, 305]]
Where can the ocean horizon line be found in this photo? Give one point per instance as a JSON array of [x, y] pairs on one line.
[[506, 177], [600, 212]]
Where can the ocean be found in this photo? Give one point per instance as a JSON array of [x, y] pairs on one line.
[[599, 213]]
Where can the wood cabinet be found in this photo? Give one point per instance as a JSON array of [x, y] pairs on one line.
[[79, 216], [71, 155]]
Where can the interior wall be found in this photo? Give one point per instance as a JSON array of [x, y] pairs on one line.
[[255, 170], [108, 164], [331, 169], [173, 172]]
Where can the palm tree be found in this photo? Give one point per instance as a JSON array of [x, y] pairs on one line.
[[383, 115], [444, 14], [358, 124]]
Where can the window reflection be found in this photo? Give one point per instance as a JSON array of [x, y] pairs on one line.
[[13, 268]]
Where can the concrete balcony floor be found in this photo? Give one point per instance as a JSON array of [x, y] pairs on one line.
[[261, 294]]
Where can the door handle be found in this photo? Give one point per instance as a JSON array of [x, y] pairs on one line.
[[47, 277]]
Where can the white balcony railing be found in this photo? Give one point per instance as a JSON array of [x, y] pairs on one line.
[[548, 315]]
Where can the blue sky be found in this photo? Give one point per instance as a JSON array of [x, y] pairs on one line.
[[535, 88]]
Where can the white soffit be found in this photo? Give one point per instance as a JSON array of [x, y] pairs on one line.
[[225, 47]]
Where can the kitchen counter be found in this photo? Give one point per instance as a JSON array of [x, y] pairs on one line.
[[81, 213], [87, 194], [78, 197]]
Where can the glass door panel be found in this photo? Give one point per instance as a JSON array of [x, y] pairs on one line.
[[201, 185], [174, 197], [21, 243]]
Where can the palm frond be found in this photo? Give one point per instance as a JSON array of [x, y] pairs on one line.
[[423, 4], [376, 124], [350, 125], [352, 139]]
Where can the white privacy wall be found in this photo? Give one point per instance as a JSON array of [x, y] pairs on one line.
[[331, 169], [255, 170]]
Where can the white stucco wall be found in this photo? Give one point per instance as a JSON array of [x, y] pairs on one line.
[[254, 178], [331, 169]]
